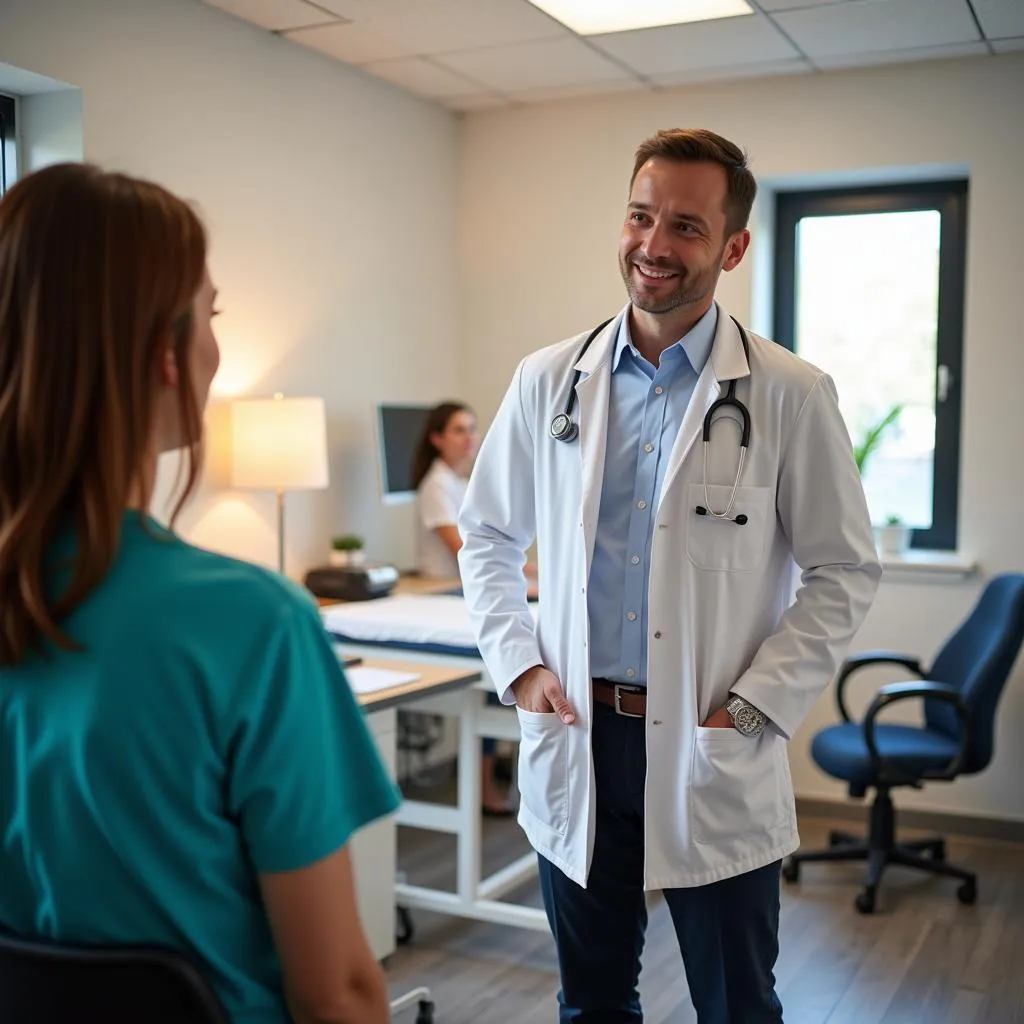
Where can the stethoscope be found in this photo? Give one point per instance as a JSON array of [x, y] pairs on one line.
[[563, 427]]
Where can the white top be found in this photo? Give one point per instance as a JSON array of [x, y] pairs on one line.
[[439, 499]]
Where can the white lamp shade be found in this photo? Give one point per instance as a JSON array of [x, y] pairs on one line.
[[279, 443]]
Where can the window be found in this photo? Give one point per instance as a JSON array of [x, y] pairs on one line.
[[869, 286], [8, 137]]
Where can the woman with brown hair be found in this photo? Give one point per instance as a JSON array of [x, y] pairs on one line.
[[181, 760]]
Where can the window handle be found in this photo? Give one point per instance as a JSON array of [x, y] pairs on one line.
[[945, 382]]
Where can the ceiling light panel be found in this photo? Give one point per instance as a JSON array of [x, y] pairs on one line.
[[596, 17]]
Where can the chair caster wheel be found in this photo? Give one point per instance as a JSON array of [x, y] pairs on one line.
[[967, 893], [791, 870], [406, 930], [865, 901], [426, 1013]]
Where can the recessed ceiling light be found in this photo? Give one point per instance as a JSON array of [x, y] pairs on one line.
[[593, 17]]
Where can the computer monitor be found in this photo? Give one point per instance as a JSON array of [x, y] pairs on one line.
[[399, 428]]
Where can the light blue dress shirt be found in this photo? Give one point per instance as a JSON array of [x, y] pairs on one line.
[[645, 412]]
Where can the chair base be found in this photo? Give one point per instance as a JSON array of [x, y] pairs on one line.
[[880, 850]]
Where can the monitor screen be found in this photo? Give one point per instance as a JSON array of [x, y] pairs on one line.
[[398, 431]]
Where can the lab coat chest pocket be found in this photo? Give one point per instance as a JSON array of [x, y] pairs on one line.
[[736, 784], [544, 768], [719, 544]]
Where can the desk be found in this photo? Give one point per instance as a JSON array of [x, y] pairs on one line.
[[373, 850], [453, 686]]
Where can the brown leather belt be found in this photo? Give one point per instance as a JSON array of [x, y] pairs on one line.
[[630, 701]]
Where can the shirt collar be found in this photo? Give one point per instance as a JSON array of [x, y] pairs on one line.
[[696, 343]]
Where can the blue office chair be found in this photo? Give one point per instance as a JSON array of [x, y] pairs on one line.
[[49, 983], [961, 691]]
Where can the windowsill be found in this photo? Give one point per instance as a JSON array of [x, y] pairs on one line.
[[916, 563]]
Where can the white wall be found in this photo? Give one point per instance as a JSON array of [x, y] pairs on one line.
[[331, 202], [543, 192], [50, 128]]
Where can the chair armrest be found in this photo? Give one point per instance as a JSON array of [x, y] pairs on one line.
[[862, 660], [891, 773]]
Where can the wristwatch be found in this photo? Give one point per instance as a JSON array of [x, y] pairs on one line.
[[745, 717]]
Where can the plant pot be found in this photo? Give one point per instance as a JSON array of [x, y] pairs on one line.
[[347, 559], [892, 539]]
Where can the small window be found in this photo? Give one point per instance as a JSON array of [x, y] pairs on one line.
[[869, 286], [8, 144]]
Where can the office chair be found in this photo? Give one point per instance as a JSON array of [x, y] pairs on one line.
[[961, 691], [48, 983]]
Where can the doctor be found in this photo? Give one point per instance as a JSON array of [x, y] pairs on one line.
[[670, 664]]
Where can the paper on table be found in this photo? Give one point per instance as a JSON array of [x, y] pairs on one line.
[[364, 679]]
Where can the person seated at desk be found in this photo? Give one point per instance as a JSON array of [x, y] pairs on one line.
[[181, 761], [441, 465]]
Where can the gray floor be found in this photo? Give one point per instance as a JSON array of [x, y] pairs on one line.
[[922, 958]]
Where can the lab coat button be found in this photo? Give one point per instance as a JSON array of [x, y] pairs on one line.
[[657, 635]]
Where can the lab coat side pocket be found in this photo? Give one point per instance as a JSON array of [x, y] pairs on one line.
[[544, 768], [735, 787]]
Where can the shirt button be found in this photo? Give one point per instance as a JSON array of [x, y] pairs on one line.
[[635, 559], [648, 447], [658, 390], [641, 503], [630, 673], [631, 616]]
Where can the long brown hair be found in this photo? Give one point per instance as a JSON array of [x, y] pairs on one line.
[[426, 451], [98, 273]]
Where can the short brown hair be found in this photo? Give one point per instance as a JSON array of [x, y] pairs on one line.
[[98, 273], [693, 145]]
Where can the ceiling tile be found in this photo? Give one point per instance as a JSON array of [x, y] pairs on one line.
[[1000, 19], [543, 64], [874, 26], [856, 60], [424, 27], [681, 48], [350, 42], [790, 5], [1008, 45], [275, 15], [422, 77], [748, 70]]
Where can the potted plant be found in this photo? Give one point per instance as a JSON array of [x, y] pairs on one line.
[[347, 550], [893, 536]]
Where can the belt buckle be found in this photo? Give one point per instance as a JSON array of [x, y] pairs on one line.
[[619, 687]]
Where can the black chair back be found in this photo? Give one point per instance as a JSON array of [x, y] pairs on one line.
[[978, 659], [46, 983]]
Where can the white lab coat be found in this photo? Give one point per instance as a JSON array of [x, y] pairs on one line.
[[722, 614]]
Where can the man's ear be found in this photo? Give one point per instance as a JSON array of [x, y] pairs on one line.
[[168, 368], [735, 249]]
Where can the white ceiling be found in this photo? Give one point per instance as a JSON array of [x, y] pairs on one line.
[[480, 54]]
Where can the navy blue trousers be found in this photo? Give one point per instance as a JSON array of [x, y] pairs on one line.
[[727, 931]]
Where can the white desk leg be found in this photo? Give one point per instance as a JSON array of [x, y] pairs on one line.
[[469, 798]]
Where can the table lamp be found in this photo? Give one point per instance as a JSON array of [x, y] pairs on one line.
[[279, 444]]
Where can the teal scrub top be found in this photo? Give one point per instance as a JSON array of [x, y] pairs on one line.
[[206, 733]]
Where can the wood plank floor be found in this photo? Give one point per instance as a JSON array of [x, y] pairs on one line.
[[922, 958]]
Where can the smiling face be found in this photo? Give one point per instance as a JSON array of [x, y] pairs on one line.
[[675, 239]]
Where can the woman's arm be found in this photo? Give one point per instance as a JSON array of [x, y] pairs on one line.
[[451, 538], [330, 973]]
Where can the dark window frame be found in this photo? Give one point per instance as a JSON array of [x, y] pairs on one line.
[[949, 198], [8, 143]]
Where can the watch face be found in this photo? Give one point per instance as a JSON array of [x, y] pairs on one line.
[[749, 720]]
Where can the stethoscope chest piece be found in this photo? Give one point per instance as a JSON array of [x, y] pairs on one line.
[[563, 428]]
